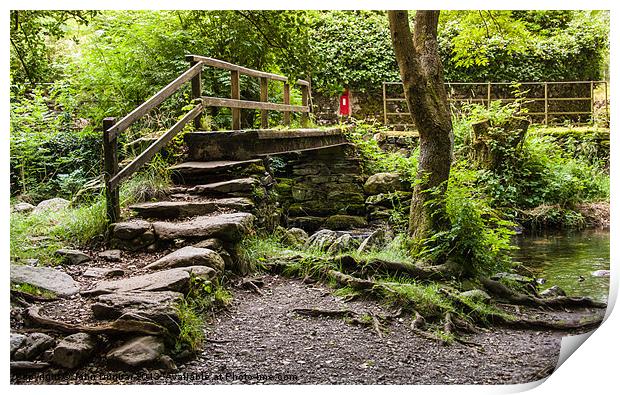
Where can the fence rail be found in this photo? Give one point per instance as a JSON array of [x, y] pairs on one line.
[[486, 92], [112, 128]]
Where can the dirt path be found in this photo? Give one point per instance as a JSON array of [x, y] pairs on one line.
[[270, 344], [260, 340]]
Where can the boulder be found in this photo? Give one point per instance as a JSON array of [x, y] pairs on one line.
[[342, 244], [32, 346], [74, 350], [111, 255], [376, 240], [54, 204], [294, 236], [17, 339], [476, 295], [228, 227], [322, 240], [130, 230], [46, 278], [23, 208], [384, 183], [552, 292], [159, 307], [390, 200], [72, 257], [189, 256], [307, 223], [144, 351], [344, 222], [176, 279]]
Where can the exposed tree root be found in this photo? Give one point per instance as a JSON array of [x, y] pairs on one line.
[[119, 326], [253, 284], [526, 323], [373, 321], [501, 291]]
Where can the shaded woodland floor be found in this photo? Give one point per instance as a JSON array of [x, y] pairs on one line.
[[261, 340]]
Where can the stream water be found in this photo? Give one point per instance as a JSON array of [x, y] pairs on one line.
[[568, 260]]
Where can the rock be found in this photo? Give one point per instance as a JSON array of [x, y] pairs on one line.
[[241, 186], [131, 229], [390, 200], [189, 256], [74, 350], [159, 307], [228, 227], [344, 222], [167, 364], [17, 339], [33, 345], [322, 240], [176, 279], [144, 351], [342, 244], [212, 244], [46, 278], [111, 255], [601, 273], [72, 257], [95, 272], [376, 240], [55, 204], [23, 208], [552, 292], [114, 273], [477, 295], [294, 236], [384, 183]]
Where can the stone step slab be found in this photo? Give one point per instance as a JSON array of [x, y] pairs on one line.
[[184, 209], [156, 306], [176, 279], [211, 171], [230, 227], [189, 256], [240, 186], [47, 278]]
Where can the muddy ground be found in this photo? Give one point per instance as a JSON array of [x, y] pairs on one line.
[[259, 339]]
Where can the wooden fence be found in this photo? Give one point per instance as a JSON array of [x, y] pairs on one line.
[[546, 101], [112, 128]]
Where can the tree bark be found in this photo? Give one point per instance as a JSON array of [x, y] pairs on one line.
[[421, 71]]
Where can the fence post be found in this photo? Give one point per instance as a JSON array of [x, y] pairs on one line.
[[235, 93], [264, 115], [592, 101], [606, 101], [110, 168], [196, 91], [287, 100], [305, 95], [384, 105], [546, 105], [488, 94]]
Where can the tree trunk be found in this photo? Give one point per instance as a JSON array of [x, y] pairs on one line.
[[422, 73]]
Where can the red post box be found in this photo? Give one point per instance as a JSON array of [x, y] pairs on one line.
[[345, 104]]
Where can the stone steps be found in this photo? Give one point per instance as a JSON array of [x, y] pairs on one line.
[[178, 209], [215, 171]]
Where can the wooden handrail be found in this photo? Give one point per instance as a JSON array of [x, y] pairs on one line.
[[220, 64], [153, 102], [154, 148], [251, 105]]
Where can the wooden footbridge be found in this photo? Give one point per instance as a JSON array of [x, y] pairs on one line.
[[208, 149]]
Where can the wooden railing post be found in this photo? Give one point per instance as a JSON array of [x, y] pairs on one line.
[[384, 105], [264, 115], [489, 94], [196, 91], [305, 98], [110, 169], [546, 104], [235, 93], [287, 100], [592, 101]]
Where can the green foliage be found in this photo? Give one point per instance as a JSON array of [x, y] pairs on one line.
[[33, 290], [202, 298], [478, 238]]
